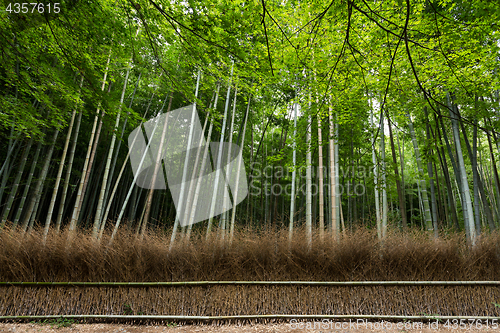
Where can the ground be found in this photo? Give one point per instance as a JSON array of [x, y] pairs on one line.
[[264, 328]]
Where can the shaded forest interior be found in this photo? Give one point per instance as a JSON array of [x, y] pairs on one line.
[[348, 114]]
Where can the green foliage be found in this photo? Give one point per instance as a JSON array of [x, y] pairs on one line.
[[127, 309], [56, 323], [347, 60]]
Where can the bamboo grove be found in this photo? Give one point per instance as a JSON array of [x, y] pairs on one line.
[[350, 114]]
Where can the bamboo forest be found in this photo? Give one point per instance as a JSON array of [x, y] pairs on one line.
[[245, 140]]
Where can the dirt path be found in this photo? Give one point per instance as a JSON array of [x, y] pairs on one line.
[[264, 328]]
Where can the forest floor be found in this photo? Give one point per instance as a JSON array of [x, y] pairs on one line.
[[264, 328]]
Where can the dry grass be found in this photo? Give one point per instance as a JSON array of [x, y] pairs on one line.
[[252, 256]]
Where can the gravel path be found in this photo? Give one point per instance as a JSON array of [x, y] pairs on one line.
[[264, 328]]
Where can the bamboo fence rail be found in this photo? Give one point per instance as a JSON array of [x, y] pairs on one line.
[[490, 319]]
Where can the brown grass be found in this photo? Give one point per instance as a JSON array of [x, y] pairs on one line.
[[252, 256]]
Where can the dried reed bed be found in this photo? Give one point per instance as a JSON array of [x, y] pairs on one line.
[[252, 255]]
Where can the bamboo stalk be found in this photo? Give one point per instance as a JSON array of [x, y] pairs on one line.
[[90, 149], [196, 194], [421, 182], [383, 168], [333, 226], [226, 201], [309, 180], [294, 174], [13, 191], [375, 179], [104, 185], [219, 155], [265, 283], [240, 157], [60, 169], [182, 194]]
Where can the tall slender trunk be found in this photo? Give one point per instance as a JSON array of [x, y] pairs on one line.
[[497, 140], [469, 221], [90, 199], [478, 187], [110, 201], [81, 191], [38, 189], [265, 187], [15, 186], [226, 203], [250, 180], [457, 172], [131, 210], [475, 180], [86, 209], [8, 163], [117, 150], [60, 170], [495, 172], [28, 185], [186, 160], [401, 150], [278, 176], [309, 181], [450, 153], [401, 197], [5, 165], [129, 193], [434, 206], [195, 195], [383, 178], [133, 188], [375, 181], [495, 200], [35, 213], [240, 158], [333, 196], [97, 219], [422, 182], [195, 173], [5, 179], [447, 178], [294, 173], [338, 194], [421, 205], [117, 182], [149, 198], [490, 186], [89, 168], [219, 154], [441, 215], [68, 172], [320, 181]]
